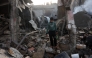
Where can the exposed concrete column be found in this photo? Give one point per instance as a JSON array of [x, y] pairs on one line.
[[14, 20], [72, 28]]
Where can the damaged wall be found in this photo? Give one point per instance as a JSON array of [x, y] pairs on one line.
[[9, 17], [61, 7], [5, 8], [25, 14]]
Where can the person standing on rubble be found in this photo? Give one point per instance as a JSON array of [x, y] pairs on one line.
[[51, 30]]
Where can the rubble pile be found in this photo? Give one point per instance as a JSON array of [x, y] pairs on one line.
[[4, 25], [64, 43], [34, 43], [10, 53], [4, 31]]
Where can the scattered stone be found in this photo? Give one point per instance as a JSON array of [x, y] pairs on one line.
[[49, 49], [40, 53], [15, 53], [80, 46], [27, 57], [30, 44], [62, 55]]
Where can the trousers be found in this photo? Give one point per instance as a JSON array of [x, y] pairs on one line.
[[53, 40]]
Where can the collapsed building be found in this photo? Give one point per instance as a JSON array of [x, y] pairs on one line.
[[15, 24], [81, 16], [67, 19], [16, 19], [15, 15], [5, 21]]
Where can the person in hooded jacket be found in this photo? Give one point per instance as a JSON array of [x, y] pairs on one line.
[[51, 30]]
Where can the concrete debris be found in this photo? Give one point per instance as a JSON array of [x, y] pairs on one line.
[[58, 51], [2, 53], [12, 53], [31, 51], [33, 24], [64, 43], [62, 55], [75, 55], [27, 57], [81, 46], [49, 49], [35, 43], [15, 53], [7, 32], [64, 47]]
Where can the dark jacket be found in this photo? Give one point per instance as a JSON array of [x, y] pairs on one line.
[[51, 26]]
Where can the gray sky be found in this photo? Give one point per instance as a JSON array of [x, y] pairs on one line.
[[41, 2]]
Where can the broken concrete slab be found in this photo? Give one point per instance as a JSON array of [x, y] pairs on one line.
[[31, 51], [30, 44], [15, 53], [49, 49], [11, 53], [34, 25], [27, 57]]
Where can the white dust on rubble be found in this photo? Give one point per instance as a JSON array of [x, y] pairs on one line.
[[87, 6]]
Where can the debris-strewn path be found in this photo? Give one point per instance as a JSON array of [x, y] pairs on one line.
[[37, 45]]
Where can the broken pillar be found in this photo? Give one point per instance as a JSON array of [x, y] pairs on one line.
[[72, 28], [14, 20]]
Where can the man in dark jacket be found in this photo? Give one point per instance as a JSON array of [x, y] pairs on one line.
[[51, 30]]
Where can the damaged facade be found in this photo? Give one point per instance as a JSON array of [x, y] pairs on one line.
[[82, 20], [14, 20], [16, 17], [19, 28]]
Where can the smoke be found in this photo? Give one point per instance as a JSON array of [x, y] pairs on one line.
[[87, 6], [78, 9]]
